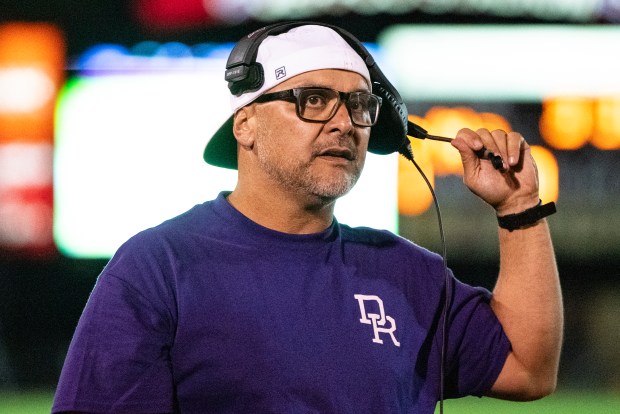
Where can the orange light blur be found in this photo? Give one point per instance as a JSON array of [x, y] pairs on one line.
[[440, 158], [607, 123], [32, 59], [31, 48], [567, 122], [413, 195], [447, 122], [493, 121], [548, 173]]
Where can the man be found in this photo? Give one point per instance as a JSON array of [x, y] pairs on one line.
[[260, 301]]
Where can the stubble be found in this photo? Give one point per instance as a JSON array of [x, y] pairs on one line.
[[297, 175]]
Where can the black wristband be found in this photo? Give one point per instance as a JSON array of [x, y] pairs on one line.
[[526, 218]]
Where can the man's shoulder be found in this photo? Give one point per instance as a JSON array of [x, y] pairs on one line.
[[370, 236], [387, 241], [181, 230], [196, 219]]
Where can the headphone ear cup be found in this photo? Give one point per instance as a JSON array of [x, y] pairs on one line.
[[253, 81], [390, 132]]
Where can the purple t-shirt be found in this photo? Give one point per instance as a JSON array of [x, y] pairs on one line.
[[211, 312]]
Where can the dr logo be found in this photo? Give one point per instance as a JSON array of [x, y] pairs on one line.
[[381, 323]]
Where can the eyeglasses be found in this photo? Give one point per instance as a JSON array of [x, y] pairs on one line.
[[321, 104]]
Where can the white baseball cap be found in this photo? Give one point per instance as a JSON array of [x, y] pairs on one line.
[[283, 56], [301, 49]]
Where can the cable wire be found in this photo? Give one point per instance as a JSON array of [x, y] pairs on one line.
[[407, 153]]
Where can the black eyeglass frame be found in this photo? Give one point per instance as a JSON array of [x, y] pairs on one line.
[[294, 94]]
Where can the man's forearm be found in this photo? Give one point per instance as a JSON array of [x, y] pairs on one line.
[[527, 300]]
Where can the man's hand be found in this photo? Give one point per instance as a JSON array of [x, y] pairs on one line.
[[512, 189]]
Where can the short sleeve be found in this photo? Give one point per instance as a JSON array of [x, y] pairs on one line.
[[118, 360], [478, 346]]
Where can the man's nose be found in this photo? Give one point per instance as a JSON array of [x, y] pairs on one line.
[[342, 117]]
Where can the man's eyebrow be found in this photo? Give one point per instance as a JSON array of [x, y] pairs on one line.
[[312, 85], [319, 86]]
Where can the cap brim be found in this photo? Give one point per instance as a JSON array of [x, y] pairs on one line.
[[221, 150]]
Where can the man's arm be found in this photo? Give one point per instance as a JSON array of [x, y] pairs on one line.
[[527, 297], [528, 302]]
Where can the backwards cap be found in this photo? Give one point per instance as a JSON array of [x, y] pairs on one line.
[[301, 49]]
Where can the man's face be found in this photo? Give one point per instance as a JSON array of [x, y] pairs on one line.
[[321, 159]]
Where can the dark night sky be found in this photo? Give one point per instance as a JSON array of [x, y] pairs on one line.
[[113, 21]]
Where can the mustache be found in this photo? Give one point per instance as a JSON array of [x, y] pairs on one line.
[[342, 147]]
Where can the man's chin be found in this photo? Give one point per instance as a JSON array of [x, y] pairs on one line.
[[331, 191]]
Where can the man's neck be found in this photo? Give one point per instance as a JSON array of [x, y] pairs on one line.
[[283, 211]]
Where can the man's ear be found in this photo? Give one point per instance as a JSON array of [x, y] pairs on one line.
[[244, 126]]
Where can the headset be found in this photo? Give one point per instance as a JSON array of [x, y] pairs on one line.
[[388, 135]]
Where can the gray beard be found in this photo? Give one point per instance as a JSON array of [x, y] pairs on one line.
[[299, 178]]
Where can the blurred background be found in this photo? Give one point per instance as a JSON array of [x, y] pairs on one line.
[[105, 108]]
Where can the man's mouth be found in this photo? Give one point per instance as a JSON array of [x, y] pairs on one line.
[[338, 152]]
